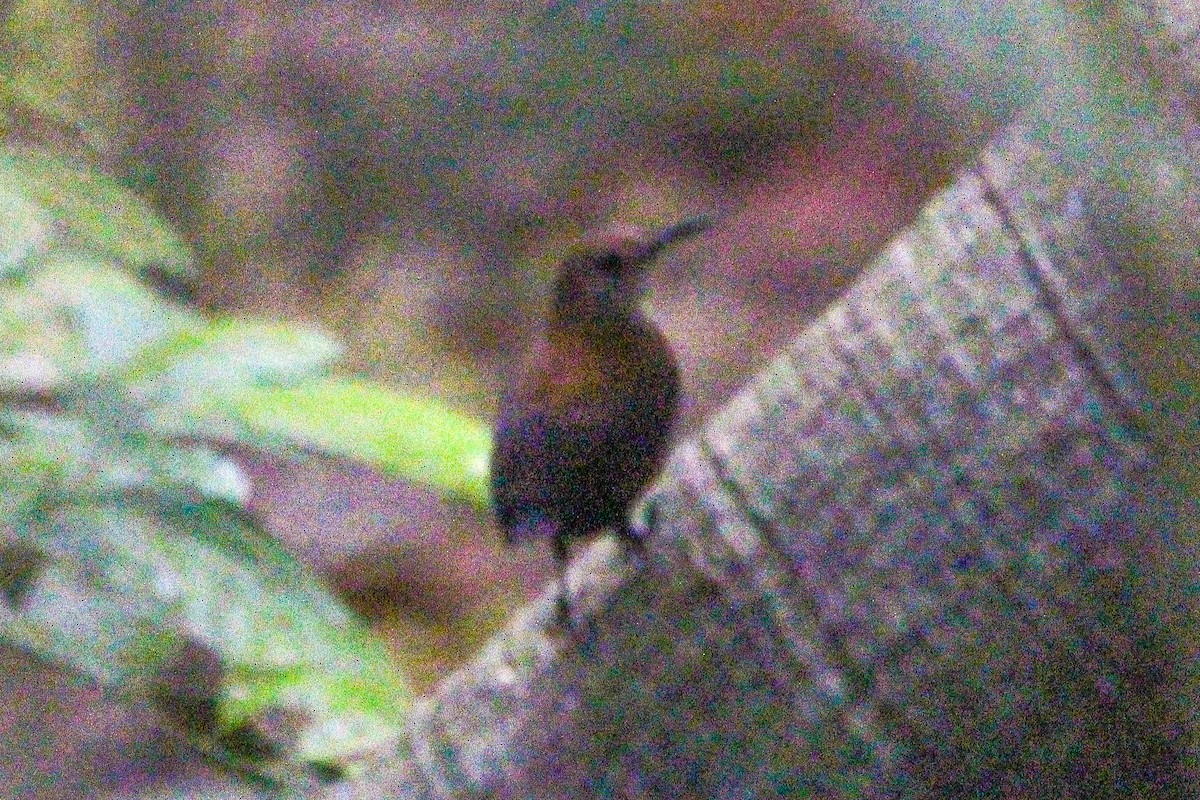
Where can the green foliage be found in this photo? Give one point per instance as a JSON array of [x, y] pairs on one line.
[[96, 212], [360, 420], [127, 552]]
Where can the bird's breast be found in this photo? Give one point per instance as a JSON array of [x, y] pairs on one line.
[[584, 429], [576, 371]]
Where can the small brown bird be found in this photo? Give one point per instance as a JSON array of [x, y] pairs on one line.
[[586, 424]]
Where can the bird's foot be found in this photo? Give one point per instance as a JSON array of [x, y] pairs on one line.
[[633, 536], [562, 610]]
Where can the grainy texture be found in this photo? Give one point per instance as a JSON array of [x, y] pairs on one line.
[[1170, 31], [904, 562], [896, 565]]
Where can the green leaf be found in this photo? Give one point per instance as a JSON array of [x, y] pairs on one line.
[[28, 113], [38, 350], [75, 316], [123, 550], [418, 439], [24, 230], [59, 455], [193, 375], [346, 709], [96, 211], [42, 451], [72, 617], [116, 314], [123, 583]]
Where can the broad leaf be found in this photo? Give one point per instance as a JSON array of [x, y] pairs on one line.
[[96, 211], [186, 376], [76, 316], [124, 583], [419, 439]]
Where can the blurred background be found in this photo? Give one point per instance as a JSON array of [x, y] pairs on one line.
[[406, 175]]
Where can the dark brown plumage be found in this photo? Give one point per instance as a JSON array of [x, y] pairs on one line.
[[586, 423]]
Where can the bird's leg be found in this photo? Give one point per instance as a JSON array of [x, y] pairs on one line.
[[633, 540], [561, 556], [632, 535]]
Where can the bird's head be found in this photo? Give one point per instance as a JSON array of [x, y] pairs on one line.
[[603, 279]]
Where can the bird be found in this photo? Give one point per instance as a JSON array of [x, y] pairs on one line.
[[585, 424]]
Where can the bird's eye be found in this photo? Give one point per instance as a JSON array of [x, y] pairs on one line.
[[609, 262]]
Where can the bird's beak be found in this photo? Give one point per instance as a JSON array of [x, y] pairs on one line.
[[688, 227], [680, 230]]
